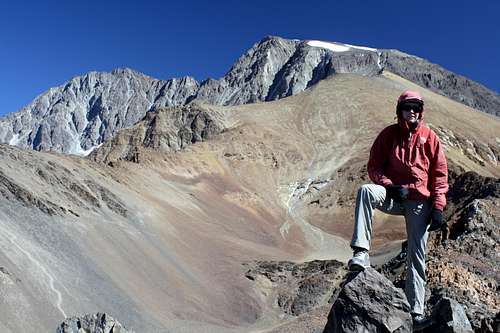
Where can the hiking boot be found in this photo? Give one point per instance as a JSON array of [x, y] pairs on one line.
[[420, 322], [359, 261]]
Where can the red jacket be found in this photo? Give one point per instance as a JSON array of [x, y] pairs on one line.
[[412, 158]]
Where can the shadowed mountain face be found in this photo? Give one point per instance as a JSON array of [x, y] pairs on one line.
[[164, 243], [89, 110]]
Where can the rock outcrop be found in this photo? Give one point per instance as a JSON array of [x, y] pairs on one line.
[[369, 302], [296, 288], [450, 317], [465, 265], [167, 129], [73, 192], [477, 151], [92, 323]]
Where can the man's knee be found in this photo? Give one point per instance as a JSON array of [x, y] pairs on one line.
[[365, 188], [371, 190]]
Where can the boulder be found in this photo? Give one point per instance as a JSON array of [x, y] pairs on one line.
[[92, 323], [297, 288], [369, 302], [449, 317]]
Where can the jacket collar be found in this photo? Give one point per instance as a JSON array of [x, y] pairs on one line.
[[404, 126]]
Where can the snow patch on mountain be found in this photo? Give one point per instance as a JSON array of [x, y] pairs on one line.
[[91, 149], [365, 48], [330, 46], [14, 140], [338, 47], [78, 150]]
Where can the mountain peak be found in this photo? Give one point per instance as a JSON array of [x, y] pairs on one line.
[[124, 70], [271, 38]]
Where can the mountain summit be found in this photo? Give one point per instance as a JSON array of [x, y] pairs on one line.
[[88, 110]]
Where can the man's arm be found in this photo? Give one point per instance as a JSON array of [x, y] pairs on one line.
[[378, 157], [438, 175]]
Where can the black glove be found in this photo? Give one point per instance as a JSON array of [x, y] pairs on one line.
[[397, 193], [435, 220]]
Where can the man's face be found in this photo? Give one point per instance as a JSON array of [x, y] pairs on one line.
[[410, 116], [411, 112]]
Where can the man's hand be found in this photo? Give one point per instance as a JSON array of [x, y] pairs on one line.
[[397, 193], [435, 220]]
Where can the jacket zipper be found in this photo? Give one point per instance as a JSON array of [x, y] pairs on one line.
[[408, 157], [408, 150]]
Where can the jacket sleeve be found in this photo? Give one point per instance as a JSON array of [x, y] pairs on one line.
[[438, 174], [378, 159]]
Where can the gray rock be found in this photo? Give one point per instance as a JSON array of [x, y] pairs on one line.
[[249, 79], [90, 109], [308, 65], [166, 129], [11, 190], [6, 277], [297, 288], [450, 317], [92, 323], [369, 302]]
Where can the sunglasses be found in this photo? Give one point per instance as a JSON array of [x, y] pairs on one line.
[[408, 107]]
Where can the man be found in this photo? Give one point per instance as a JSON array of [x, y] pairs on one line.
[[409, 169]]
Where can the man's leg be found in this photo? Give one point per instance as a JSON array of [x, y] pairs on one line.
[[417, 213], [370, 196]]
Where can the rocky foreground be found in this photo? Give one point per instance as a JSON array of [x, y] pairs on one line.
[[462, 287]]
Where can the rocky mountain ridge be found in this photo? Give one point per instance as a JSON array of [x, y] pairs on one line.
[[88, 110]]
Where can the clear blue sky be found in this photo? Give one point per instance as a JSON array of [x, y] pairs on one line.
[[45, 43]]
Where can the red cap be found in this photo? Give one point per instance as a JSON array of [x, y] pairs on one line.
[[410, 95]]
